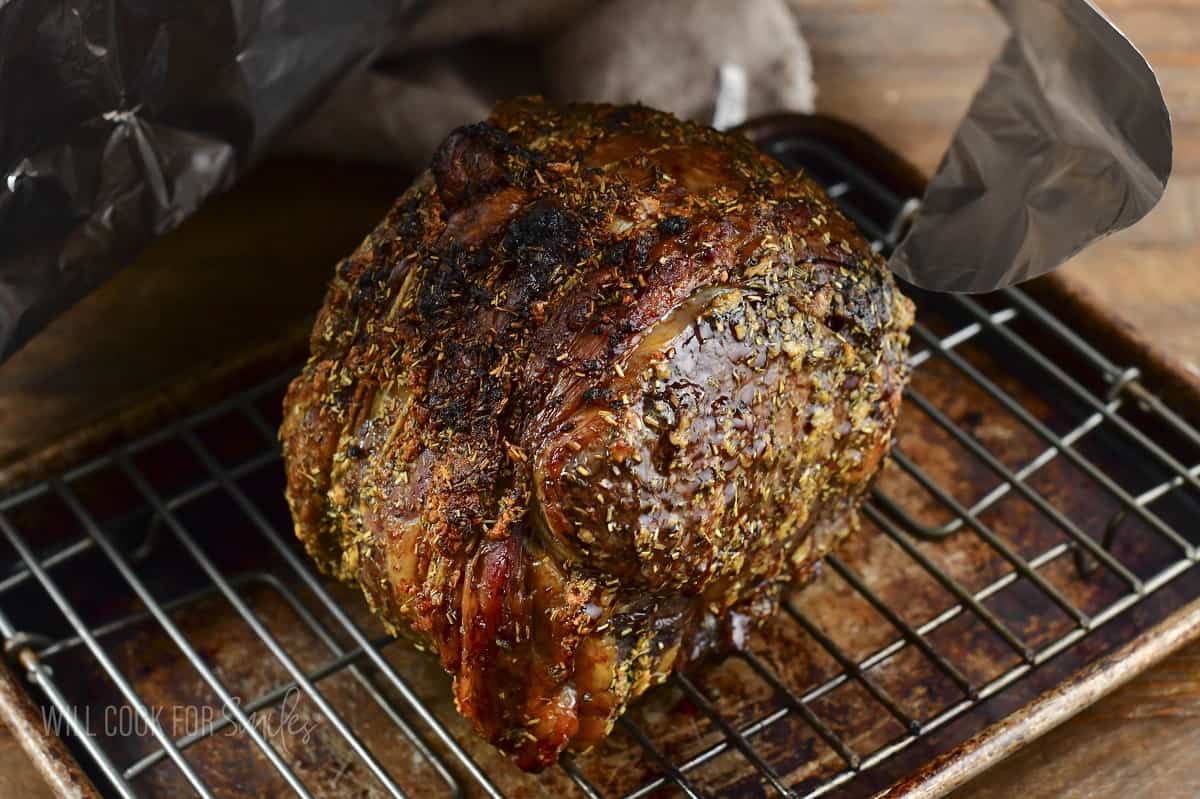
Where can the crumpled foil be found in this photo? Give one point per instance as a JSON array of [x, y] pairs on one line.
[[118, 118], [1068, 140]]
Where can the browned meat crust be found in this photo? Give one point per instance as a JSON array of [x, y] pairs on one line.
[[599, 385]]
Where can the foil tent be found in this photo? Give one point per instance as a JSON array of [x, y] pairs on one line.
[[119, 118]]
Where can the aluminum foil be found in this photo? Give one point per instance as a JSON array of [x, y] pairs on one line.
[[1068, 140], [118, 118]]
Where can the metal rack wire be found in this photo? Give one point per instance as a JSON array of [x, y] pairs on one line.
[[1107, 396]]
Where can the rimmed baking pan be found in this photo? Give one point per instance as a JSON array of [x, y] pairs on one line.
[[1030, 545]]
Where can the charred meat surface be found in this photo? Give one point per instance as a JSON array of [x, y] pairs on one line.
[[600, 385]]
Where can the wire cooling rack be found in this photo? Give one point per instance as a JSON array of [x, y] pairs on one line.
[[92, 568]]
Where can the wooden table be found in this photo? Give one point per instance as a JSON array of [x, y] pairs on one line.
[[904, 69]]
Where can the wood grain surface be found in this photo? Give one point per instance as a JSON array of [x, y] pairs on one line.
[[252, 266]]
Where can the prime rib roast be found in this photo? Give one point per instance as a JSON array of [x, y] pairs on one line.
[[596, 390]]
